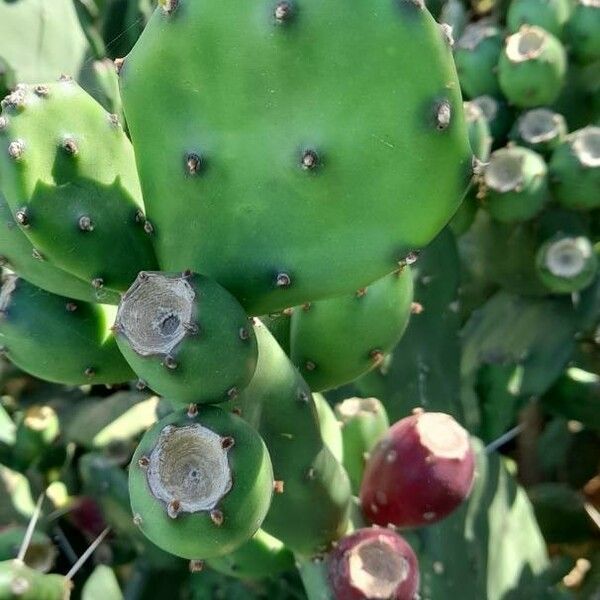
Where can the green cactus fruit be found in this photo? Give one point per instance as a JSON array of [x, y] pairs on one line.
[[40, 554], [575, 170], [18, 254], [583, 31], [364, 422], [200, 483], [186, 337], [539, 129], [19, 582], [68, 173], [298, 129], [58, 339], [454, 14], [532, 67], [498, 115], [550, 15], [514, 184], [261, 556], [335, 341], [567, 264], [476, 55], [278, 403], [41, 41], [478, 128], [330, 427], [38, 429]]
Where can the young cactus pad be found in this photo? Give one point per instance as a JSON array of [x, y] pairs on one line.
[[68, 173], [200, 483], [419, 472], [58, 339], [186, 337], [278, 122]]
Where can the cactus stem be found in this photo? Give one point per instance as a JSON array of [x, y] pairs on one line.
[[216, 516], [85, 223]]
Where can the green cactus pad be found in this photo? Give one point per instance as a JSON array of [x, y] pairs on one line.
[[532, 67], [514, 184], [476, 55], [261, 556], [200, 483], [335, 341], [575, 170], [68, 174], [279, 404], [58, 339], [539, 129], [282, 123], [550, 15], [18, 254], [364, 422], [186, 337], [19, 582], [583, 31], [567, 264]]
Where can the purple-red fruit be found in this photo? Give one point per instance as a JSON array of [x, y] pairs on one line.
[[373, 563], [419, 472]]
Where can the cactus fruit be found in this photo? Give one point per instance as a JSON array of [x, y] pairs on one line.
[[539, 129], [476, 55], [364, 422], [200, 483], [19, 582], [498, 115], [18, 254], [68, 174], [575, 170], [270, 134], [514, 184], [480, 137], [550, 15], [373, 563], [35, 324], [583, 31], [567, 264], [334, 341], [186, 337], [278, 403], [261, 556], [532, 67], [419, 473]]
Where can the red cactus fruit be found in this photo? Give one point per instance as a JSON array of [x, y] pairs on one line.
[[419, 472], [373, 563]]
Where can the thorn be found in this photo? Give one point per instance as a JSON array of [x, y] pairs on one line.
[[192, 411], [140, 217], [37, 254], [98, 283], [31, 528], [71, 306], [284, 12], [144, 462], [137, 519], [72, 572], [278, 486], [309, 365], [227, 442], [85, 223], [16, 149], [283, 280], [173, 508], [233, 393], [170, 362], [148, 228], [361, 292], [41, 90], [193, 163], [196, 566], [309, 160], [140, 384], [69, 145], [376, 356], [89, 372], [22, 217], [303, 396], [216, 516]]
